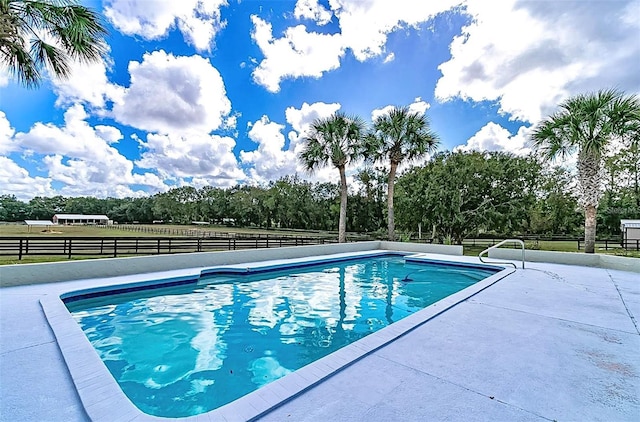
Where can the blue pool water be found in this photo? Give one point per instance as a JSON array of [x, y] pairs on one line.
[[187, 349]]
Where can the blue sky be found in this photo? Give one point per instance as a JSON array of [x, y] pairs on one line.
[[221, 92]]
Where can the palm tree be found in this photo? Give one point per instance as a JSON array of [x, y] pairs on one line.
[[586, 124], [399, 136], [47, 34], [336, 140]]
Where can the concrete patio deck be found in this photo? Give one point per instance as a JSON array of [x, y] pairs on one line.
[[552, 342]]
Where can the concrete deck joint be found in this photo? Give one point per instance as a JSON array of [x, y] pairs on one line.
[[27, 347], [467, 388], [571, 321], [633, 319]]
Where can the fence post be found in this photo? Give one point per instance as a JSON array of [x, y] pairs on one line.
[[69, 256], [115, 248], [169, 245], [578, 244], [20, 251], [199, 245]]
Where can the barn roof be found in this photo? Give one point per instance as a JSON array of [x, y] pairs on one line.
[[38, 222], [82, 216], [625, 224]]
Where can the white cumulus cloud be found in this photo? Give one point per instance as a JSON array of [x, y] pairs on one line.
[[530, 55], [82, 158], [198, 20], [87, 84], [16, 180], [270, 160], [364, 28], [366, 24], [311, 9], [7, 143], [201, 155], [493, 137], [417, 106], [170, 94], [76, 138], [298, 53]]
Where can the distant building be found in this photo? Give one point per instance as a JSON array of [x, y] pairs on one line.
[[38, 223], [630, 234], [66, 219]]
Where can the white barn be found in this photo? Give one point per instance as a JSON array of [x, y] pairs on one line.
[[67, 219], [630, 234]]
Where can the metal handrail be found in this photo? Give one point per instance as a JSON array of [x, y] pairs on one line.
[[500, 244]]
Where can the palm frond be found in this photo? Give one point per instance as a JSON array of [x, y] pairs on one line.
[[335, 140], [552, 137], [54, 58], [403, 135], [57, 31]]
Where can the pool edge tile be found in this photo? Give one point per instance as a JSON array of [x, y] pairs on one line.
[[97, 398]]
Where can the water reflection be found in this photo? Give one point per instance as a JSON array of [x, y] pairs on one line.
[[190, 349]]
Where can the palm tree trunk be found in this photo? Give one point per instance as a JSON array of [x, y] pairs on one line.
[[390, 189], [342, 224], [589, 176], [589, 229]]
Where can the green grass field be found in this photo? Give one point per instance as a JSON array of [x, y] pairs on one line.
[[21, 230], [143, 230]]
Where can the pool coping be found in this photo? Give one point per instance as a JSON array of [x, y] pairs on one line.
[[104, 400]]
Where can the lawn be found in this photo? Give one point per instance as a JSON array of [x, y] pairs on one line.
[[21, 230], [145, 230]]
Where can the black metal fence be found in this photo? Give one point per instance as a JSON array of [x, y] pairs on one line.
[[606, 244], [120, 246], [533, 241]]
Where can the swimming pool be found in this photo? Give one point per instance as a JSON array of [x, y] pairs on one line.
[[187, 346]]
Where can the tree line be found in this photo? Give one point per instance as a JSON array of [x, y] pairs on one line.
[[455, 195]]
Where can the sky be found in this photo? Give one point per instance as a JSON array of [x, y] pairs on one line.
[[221, 92]]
